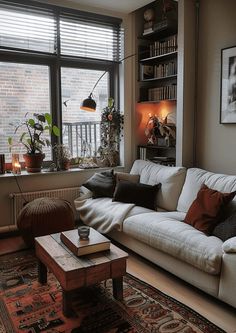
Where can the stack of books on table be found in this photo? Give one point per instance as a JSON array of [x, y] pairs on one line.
[[80, 247]]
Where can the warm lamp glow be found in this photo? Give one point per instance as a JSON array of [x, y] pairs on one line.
[[16, 167]]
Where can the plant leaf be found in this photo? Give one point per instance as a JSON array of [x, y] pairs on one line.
[[22, 136], [110, 102], [41, 117], [56, 130], [48, 118], [48, 142], [31, 122], [10, 140], [38, 127], [36, 136]]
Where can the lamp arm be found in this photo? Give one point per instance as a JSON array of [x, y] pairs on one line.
[[97, 82], [129, 56]]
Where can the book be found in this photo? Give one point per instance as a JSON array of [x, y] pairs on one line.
[[95, 243]]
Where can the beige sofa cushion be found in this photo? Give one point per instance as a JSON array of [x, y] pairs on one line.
[[195, 178], [165, 231], [171, 179]]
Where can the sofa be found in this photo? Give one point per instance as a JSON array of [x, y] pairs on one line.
[[162, 236]]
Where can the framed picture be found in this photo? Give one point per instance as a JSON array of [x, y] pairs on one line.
[[228, 86]]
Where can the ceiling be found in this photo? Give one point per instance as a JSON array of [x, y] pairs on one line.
[[122, 6]]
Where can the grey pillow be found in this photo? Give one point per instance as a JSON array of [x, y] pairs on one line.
[[226, 229], [101, 184]]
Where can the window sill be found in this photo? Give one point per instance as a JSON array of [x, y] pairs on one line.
[[63, 172]]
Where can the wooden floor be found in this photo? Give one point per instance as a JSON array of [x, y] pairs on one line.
[[217, 312]]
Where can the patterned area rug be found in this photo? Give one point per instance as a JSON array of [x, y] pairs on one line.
[[26, 306]]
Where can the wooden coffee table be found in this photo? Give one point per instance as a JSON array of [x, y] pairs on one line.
[[74, 272]]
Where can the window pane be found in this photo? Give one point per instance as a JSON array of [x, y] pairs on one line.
[[81, 129], [90, 38], [27, 28], [23, 88]]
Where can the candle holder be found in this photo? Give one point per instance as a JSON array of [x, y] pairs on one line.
[[16, 167], [83, 232]]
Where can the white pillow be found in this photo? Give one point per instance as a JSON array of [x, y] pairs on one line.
[[171, 179]]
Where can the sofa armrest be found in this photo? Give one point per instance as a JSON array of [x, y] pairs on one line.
[[83, 196], [229, 246]]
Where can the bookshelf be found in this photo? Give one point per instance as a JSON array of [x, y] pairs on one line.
[[158, 52]]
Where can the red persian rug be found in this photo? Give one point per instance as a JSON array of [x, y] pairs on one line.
[[26, 306]]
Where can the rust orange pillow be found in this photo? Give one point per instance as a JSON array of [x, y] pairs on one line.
[[207, 209]]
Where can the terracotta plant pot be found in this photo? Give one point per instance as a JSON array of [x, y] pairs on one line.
[[33, 162], [64, 165]]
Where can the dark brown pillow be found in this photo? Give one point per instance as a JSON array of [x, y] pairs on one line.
[[207, 209], [101, 184], [140, 194]]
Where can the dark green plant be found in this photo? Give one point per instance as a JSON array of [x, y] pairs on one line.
[[33, 138]]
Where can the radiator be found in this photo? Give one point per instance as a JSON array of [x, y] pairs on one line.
[[19, 199]]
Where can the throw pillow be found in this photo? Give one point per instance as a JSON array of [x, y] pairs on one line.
[[140, 194], [127, 177], [101, 184], [226, 229], [207, 209]]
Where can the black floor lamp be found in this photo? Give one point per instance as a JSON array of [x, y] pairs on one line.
[[89, 103]]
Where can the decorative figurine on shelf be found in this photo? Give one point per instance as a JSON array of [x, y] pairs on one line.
[[159, 132], [149, 17]]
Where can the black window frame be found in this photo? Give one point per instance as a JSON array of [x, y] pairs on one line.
[[55, 61]]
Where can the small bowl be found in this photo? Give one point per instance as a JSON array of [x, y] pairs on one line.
[[83, 232]]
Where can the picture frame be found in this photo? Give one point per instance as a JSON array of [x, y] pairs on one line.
[[228, 86]]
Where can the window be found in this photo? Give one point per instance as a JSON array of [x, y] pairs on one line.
[[24, 89], [50, 59], [81, 130]]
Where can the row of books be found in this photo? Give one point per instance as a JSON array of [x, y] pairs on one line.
[[142, 153], [158, 71], [162, 47], [166, 92]]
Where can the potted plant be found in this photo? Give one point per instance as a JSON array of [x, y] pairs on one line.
[[63, 156], [160, 132], [111, 127], [34, 139]]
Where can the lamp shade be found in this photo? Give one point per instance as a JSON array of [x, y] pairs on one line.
[[88, 104]]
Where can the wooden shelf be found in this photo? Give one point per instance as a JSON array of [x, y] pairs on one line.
[[157, 147], [157, 101], [161, 56], [166, 30], [160, 78]]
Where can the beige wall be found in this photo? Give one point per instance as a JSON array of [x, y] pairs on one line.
[[215, 142]]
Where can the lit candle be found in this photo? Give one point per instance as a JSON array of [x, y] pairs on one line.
[[16, 167]]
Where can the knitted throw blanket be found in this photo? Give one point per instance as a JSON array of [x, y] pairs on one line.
[[103, 214]]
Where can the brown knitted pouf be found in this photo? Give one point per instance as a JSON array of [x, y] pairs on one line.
[[45, 216]]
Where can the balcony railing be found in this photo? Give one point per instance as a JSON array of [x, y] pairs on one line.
[[82, 138]]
